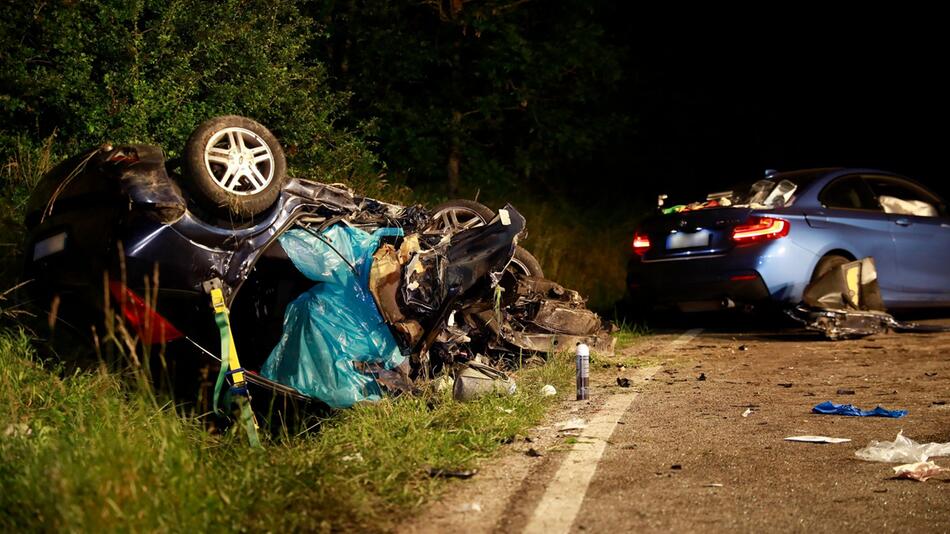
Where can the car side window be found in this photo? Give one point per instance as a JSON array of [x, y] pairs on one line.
[[850, 192], [902, 198]]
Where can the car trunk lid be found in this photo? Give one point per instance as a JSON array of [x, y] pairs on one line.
[[692, 234]]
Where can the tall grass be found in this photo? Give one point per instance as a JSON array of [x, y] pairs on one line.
[[26, 163], [90, 451]]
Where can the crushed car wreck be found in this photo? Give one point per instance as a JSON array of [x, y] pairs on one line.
[[332, 297]]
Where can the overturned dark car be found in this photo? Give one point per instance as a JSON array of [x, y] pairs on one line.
[[333, 298]]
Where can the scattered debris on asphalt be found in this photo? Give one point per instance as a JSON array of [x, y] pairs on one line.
[[830, 408], [712, 485], [702, 377], [817, 439], [623, 382], [743, 347], [449, 473], [784, 384], [747, 412], [919, 471], [470, 507], [845, 392], [902, 449], [573, 424], [676, 467]]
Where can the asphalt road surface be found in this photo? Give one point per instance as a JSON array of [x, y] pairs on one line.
[[673, 452]]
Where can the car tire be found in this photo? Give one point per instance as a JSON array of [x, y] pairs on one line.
[[234, 166], [828, 263], [460, 214], [524, 263]]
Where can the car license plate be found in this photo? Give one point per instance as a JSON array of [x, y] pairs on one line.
[[50, 245], [687, 240]]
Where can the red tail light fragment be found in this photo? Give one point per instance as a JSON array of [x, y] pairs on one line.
[[151, 327]]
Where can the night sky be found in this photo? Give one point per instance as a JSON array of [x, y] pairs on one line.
[[718, 106]]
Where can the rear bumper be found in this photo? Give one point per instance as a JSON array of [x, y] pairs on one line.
[[775, 271]]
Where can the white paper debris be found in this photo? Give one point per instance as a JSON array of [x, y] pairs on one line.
[[575, 423]]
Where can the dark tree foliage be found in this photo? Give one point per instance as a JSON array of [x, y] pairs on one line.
[[478, 93], [151, 70]]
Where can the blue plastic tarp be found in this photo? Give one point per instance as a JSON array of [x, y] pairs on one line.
[[830, 408], [336, 322]]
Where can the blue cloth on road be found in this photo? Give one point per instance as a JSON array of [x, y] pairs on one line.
[[830, 408]]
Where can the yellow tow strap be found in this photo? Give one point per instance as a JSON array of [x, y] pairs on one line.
[[231, 365]]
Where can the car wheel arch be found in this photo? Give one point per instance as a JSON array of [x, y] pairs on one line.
[[834, 252]]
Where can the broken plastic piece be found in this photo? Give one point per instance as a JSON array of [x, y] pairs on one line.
[[852, 286], [903, 450], [817, 439], [830, 408], [450, 473], [572, 424]]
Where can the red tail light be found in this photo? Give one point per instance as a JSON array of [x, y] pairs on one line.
[[151, 327], [641, 243], [760, 229]]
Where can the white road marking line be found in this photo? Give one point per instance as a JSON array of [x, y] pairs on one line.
[[686, 337], [562, 501]]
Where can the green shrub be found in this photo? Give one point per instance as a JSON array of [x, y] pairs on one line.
[[150, 71]]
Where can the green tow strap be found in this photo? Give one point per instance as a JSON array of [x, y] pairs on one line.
[[230, 365]]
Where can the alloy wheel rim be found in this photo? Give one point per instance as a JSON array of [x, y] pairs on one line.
[[239, 161], [449, 218]]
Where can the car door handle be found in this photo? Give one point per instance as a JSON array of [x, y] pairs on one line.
[[902, 222]]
